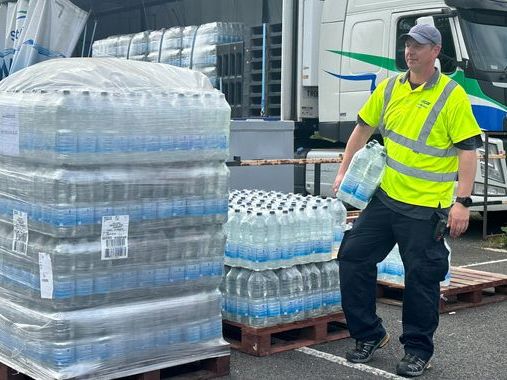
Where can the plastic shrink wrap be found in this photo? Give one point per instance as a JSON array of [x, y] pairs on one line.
[[113, 192], [194, 47]]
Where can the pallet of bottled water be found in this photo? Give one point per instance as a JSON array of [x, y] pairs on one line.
[[270, 230], [363, 175], [272, 297], [113, 195], [391, 269], [192, 46], [118, 339]]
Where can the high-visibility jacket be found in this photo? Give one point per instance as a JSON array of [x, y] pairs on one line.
[[420, 128]]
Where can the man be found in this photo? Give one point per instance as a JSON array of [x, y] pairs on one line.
[[430, 136]]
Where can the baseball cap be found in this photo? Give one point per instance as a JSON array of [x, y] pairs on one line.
[[424, 34]]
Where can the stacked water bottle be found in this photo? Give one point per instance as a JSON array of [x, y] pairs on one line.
[[111, 248], [269, 230], [391, 269], [192, 47], [274, 241], [363, 175]]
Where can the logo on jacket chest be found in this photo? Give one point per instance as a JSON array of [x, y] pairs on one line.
[[423, 104]]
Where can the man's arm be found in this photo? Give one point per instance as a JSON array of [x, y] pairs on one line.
[[362, 132], [459, 214]]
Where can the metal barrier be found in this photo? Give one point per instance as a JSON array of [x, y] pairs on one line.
[[291, 161]]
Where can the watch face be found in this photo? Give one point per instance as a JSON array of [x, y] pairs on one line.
[[465, 201]]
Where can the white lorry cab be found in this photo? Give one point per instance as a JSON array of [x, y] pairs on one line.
[[359, 45]]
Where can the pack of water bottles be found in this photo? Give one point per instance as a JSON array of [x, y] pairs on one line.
[[146, 265], [111, 238], [363, 175], [268, 298], [391, 269], [270, 230], [192, 47], [113, 341]]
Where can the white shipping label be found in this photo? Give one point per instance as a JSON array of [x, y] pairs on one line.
[[9, 134], [114, 238], [20, 232], [46, 276]]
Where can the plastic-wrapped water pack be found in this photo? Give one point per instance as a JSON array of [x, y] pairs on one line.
[[113, 193], [195, 47]]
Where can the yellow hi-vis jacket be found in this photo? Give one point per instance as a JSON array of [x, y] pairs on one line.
[[420, 128]]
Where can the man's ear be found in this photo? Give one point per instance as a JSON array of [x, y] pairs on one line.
[[437, 48]]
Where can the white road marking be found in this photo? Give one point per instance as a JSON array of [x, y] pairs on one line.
[[484, 263], [344, 362], [496, 250]]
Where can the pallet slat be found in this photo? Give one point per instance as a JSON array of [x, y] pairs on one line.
[[202, 369], [284, 337], [468, 288]]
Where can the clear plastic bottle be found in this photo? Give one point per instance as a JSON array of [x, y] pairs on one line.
[[273, 297], [298, 294], [287, 296], [354, 176], [242, 295], [257, 300], [273, 241], [231, 305]]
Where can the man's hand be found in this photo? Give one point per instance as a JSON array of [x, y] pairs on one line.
[[458, 219], [337, 182]]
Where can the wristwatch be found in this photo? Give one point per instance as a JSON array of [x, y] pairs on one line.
[[465, 201]]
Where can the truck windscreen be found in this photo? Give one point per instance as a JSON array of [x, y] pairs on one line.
[[485, 34]]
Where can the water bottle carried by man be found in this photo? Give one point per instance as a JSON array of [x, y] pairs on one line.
[[363, 175]]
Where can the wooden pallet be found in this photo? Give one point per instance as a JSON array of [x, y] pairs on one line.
[[269, 340], [468, 288], [200, 370]]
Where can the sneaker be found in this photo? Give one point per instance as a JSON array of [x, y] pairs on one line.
[[364, 350], [411, 366]]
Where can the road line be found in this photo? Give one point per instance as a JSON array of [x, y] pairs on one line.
[[344, 362], [496, 250], [484, 263]]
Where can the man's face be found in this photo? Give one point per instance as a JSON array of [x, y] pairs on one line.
[[418, 56]]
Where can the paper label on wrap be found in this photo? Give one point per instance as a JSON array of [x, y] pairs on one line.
[[114, 237], [20, 232], [9, 134], [46, 276]]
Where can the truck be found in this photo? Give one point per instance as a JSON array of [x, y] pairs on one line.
[[333, 54]]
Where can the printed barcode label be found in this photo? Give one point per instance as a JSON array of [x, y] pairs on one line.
[[46, 276], [20, 232], [114, 238]]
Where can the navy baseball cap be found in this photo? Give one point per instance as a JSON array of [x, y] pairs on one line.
[[424, 34]]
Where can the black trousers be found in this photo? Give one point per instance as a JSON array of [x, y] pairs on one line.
[[370, 240]]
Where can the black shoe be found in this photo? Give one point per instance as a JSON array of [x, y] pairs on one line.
[[412, 366], [365, 350]]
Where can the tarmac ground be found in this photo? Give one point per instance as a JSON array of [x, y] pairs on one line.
[[469, 343]]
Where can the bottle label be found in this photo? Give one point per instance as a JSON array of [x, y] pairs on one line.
[[273, 307], [9, 134], [20, 235], [114, 237], [46, 276]]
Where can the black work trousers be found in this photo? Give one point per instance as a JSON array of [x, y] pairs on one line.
[[370, 240]]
